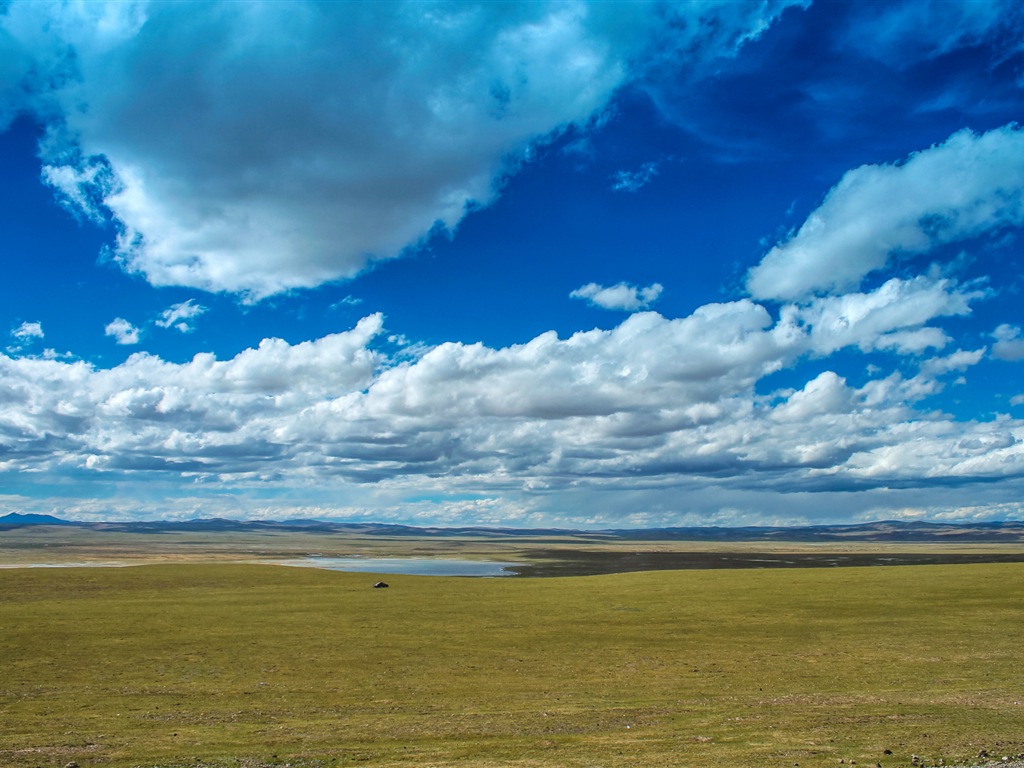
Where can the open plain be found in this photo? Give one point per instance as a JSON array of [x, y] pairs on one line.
[[197, 658]]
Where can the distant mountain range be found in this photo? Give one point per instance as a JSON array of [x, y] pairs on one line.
[[888, 530]]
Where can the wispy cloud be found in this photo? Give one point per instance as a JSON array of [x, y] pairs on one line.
[[623, 296], [632, 181], [348, 301], [935, 27]]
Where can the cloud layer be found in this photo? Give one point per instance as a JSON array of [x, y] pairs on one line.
[[653, 402]]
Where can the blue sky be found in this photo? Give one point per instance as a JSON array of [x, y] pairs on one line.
[[520, 264]]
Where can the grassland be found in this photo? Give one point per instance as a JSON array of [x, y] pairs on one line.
[[242, 665]]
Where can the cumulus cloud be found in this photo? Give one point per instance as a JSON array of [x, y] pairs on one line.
[[122, 331], [1009, 343], [652, 403], [180, 316], [969, 185], [623, 296], [283, 146]]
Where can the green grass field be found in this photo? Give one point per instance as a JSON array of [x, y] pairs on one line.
[[251, 665]]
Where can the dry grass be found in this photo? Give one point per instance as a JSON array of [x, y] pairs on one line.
[[234, 665]]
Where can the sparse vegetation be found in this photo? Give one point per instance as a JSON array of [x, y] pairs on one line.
[[254, 665]]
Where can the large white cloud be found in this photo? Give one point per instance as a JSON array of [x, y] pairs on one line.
[[257, 147], [967, 186]]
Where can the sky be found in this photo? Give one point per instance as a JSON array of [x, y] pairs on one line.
[[520, 264]]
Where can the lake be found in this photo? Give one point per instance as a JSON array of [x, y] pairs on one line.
[[410, 566]]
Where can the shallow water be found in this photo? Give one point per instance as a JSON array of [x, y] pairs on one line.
[[409, 566]]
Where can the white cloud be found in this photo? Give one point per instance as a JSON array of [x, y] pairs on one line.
[[122, 331], [1009, 343], [285, 145], [892, 316], [913, 342], [180, 316], [960, 360], [632, 181], [969, 185], [623, 296], [28, 331], [24, 335]]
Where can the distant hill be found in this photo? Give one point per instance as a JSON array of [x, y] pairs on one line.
[[886, 530], [15, 520]]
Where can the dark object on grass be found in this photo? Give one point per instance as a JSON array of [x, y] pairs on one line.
[[381, 585]]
